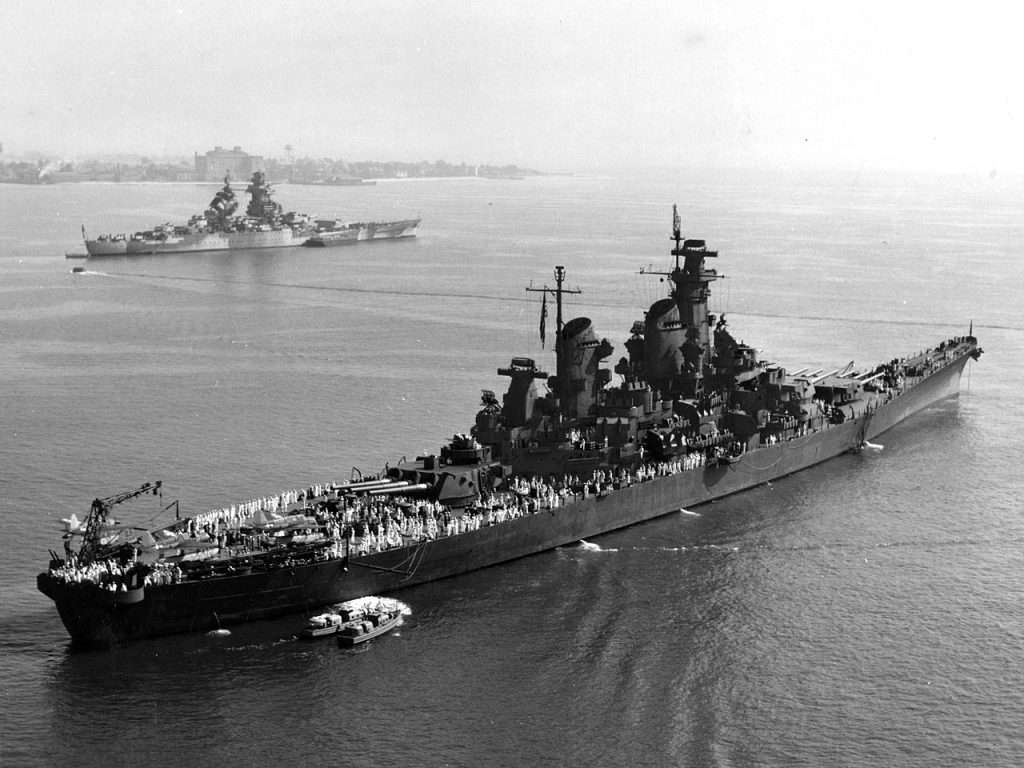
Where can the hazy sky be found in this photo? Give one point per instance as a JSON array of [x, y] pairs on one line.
[[549, 85]]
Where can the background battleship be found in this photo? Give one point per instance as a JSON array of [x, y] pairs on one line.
[[696, 416], [264, 225]]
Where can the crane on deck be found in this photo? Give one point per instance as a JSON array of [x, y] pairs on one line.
[[99, 513]]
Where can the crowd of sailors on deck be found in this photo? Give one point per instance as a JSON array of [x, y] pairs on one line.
[[109, 573], [333, 522], [339, 524]]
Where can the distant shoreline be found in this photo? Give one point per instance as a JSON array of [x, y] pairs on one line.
[[375, 180]]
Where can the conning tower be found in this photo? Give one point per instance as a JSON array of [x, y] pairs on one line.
[[222, 207], [261, 204], [678, 350]]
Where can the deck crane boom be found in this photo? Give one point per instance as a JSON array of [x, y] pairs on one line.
[[98, 514]]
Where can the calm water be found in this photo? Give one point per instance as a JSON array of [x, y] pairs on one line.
[[867, 612]]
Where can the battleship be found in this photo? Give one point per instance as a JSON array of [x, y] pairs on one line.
[[264, 225], [693, 416]]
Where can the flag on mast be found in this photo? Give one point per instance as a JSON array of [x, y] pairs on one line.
[[543, 317]]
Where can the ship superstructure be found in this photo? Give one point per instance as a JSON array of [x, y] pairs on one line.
[[687, 386], [694, 416]]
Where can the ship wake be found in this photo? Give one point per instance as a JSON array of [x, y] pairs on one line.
[[589, 546]]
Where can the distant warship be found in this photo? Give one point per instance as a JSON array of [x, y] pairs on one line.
[[694, 416], [264, 225]]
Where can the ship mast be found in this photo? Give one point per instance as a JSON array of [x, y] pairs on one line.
[[677, 234], [561, 379]]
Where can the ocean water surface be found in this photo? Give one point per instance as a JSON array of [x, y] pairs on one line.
[[865, 612]]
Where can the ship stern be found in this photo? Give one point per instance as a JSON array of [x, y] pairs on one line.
[[85, 610]]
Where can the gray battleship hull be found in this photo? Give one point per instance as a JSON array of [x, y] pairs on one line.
[[359, 232], [106, 247], [200, 242], [94, 618]]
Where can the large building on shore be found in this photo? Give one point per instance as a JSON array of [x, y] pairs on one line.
[[220, 162]]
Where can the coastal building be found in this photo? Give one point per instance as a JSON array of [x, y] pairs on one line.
[[219, 162]]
